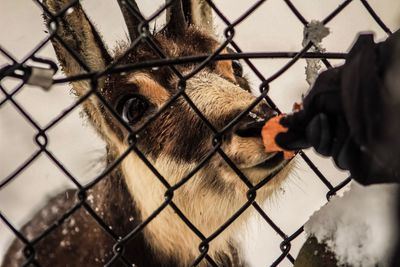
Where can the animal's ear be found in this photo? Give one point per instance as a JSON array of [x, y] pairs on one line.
[[176, 23], [199, 12], [77, 44], [180, 13], [132, 17]]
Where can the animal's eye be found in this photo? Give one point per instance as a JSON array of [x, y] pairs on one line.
[[237, 68], [132, 108]]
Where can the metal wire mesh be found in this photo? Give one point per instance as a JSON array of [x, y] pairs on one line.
[[22, 70]]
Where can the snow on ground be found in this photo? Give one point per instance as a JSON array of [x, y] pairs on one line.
[[360, 227]]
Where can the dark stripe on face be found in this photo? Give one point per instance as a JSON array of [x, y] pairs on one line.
[[177, 133]]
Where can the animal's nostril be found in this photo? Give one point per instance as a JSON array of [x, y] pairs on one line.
[[267, 111], [250, 129], [270, 113]]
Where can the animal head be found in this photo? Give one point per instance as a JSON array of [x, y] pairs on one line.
[[177, 140]]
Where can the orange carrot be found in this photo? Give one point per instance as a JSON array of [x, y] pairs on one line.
[[270, 130]]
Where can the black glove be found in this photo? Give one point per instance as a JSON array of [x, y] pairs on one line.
[[321, 124], [344, 115]]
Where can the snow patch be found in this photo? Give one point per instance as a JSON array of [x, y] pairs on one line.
[[360, 227]]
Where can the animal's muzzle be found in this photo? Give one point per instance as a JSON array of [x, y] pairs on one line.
[[252, 125]]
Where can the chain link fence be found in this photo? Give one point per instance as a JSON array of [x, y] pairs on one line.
[[35, 70]]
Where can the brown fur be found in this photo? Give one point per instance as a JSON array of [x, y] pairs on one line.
[[225, 69], [174, 143]]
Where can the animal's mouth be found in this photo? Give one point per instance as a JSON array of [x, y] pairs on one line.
[[271, 162]]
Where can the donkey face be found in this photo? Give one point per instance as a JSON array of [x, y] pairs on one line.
[[177, 140]]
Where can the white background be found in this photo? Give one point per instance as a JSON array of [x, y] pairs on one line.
[[272, 27]]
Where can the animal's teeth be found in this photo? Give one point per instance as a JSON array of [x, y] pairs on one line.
[[255, 116]]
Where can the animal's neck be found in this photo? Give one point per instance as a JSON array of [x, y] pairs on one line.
[[167, 234], [118, 209], [114, 204]]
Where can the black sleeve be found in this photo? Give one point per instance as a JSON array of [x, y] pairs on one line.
[[370, 91]]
